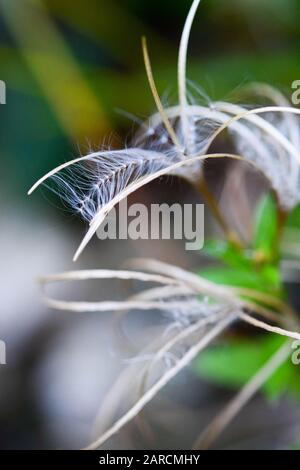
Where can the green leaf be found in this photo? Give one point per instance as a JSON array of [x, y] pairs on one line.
[[226, 252], [266, 280], [265, 231], [232, 277], [234, 364], [270, 276], [293, 219]]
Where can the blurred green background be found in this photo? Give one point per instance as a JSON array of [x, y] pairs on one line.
[[69, 67]]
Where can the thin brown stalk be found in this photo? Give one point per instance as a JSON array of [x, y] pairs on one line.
[[230, 234], [156, 97], [170, 374]]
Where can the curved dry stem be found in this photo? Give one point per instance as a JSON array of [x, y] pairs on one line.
[[63, 166], [217, 291], [188, 331], [186, 283], [223, 419], [267, 299], [261, 124], [87, 274], [163, 293], [229, 233], [155, 293], [220, 115], [214, 115], [169, 375], [107, 153], [143, 301], [265, 90], [243, 115], [113, 306], [264, 312], [265, 326], [175, 340], [108, 305], [244, 133], [125, 381], [197, 283]]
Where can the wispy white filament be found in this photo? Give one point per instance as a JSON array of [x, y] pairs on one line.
[[182, 57], [164, 380], [175, 142], [142, 181]]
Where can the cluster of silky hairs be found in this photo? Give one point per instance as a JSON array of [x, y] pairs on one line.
[[176, 141]]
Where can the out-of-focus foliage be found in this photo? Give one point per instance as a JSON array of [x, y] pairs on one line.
[[253, 268], [234, 364]]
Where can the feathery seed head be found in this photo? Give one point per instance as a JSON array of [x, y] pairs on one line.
[[174, 138]]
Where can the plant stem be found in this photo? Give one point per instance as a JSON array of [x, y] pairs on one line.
[[230, 234], [222, 420]]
